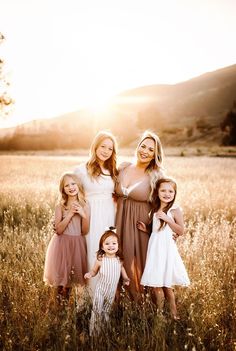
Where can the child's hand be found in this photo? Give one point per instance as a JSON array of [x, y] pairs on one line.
[[142, 226], [162, 215], [80, 210], [88, 275], [73, 209], [174, 236], [77, 208]]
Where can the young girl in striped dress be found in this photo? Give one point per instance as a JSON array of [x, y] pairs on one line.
[[109, 264]]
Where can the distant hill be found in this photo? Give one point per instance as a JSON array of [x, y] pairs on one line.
[[187, 113]]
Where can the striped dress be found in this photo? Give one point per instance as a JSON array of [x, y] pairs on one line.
[[105, 291]]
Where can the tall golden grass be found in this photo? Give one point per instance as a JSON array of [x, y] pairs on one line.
[[29, 319]]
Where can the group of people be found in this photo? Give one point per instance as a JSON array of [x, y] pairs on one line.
[[103, 225]]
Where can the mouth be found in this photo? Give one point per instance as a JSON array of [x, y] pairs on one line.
[[143, 156]]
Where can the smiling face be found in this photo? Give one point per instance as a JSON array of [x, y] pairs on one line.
[[70, 187], [104, 150], [146, 151], [166, 192], [110, 246]]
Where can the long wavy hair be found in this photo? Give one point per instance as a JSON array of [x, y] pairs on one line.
[[64, 196], [155, 169], [93, 167], [156, 203], [105, 235]]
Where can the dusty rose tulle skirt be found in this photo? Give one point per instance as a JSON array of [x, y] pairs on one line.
[[66, 260]]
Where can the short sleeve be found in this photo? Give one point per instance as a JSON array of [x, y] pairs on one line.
[[80, 170], [124, 165]]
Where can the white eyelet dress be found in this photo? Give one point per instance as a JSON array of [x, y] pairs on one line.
[[164, 266], [98, 193]]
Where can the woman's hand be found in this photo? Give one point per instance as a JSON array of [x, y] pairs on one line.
[[142, 226], [126, 281]]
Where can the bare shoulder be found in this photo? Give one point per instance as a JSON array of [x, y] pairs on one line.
[[99, 261], [177, 211], [58, 212], [58, 208]]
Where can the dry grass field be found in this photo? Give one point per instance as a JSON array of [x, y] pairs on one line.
[[29, 320]]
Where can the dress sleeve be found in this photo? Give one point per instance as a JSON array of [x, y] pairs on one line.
[[80, 170], [123, 165]]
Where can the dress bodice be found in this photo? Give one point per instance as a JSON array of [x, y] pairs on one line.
[[74, 226], [102, 186], [110, 271], [139, 191], [156, 221]]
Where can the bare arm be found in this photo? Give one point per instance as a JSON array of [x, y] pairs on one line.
[[94, 270], [60, 223], [177, 225], [124, 275], [85, 219]]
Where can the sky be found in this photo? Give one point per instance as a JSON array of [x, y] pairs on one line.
[[62, 55]]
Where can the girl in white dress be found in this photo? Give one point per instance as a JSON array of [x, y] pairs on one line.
[[164, 266], [98, 177], [109, 264]]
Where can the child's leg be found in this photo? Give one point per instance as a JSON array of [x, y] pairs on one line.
[[170, 296], [160, 297]]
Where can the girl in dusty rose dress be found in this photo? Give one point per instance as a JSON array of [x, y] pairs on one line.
[[133, 189], [66, 256]]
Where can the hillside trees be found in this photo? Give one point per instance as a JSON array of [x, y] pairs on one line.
[[229, 127]]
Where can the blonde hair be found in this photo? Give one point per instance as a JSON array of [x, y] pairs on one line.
[[93, 167], [154, 168], [155, 163], [64, 196]]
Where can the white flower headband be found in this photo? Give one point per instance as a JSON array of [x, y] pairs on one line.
[[110, 229]]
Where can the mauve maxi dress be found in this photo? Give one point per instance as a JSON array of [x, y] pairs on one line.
[[133, 206]]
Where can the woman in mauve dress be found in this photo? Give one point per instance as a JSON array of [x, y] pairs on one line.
[[133, 189], [98, 177]]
